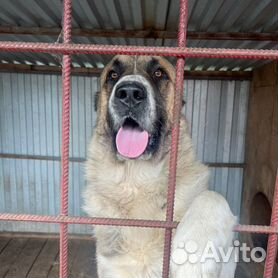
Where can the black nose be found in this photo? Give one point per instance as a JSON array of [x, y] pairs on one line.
[[130, 94]]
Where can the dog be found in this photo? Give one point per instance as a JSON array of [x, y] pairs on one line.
[[127, 174]]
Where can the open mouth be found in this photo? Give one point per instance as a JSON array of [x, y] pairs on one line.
[[131, 139]]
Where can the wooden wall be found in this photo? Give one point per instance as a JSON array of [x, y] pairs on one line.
[[261, 151]]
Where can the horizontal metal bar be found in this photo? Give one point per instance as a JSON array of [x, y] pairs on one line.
[[61, 219], [47, 235], [218, 75], [255, 229], [64, 48], [82, 159], [120, 222], [39, 157], [225, 165], [146, 33], [203, 75]]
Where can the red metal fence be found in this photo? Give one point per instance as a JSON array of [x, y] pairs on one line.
[[181, 52]]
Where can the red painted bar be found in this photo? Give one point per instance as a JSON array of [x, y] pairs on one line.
[[175, 137], [66, 79], [87, 220], [255, 229], [119, 222], [272, 246], [250, 54]]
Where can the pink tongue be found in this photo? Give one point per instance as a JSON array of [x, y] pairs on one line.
[[131, 143]]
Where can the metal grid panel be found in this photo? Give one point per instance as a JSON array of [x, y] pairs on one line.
[[208, 16], [66, 48]]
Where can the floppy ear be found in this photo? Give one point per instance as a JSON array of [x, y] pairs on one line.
[[96, 100]]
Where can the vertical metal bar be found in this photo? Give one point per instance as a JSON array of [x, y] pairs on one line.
[[272, 245], [175, 136], [66, 80]]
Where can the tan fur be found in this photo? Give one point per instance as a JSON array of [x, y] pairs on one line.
[[136, 189]]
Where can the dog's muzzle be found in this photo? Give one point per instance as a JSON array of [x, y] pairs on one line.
[[133, 112], [133, 97]]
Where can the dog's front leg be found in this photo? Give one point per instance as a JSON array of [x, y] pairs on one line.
[[204, 230]]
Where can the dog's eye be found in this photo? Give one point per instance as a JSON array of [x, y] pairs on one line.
[[113, 75], [158, 73]]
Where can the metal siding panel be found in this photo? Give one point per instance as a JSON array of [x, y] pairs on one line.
[[225, 130], [8, 133], [232, 190], [55, 105], [226, 116], [210, 15], [196, 111], [89, 106], [249, 18], [82, 121], [87, 13], [57, 175], [161, 14], [74, 120], [202, 124], [7, 185], [35, 112], [235, 189], [212, 120], [211, 111], [29, 114], [242, 122], [189, 99]]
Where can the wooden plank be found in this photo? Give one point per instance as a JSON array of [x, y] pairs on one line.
[[3, 243], [73, 247], [45, 260], [24, 262], [84, 264], [10, 254]]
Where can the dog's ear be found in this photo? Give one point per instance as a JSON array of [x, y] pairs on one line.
[[96, 100], [183, 103]]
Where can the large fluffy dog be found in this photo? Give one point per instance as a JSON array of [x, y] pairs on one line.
[[127, 172]]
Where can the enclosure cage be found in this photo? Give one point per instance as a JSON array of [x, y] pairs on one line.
[[181, 52]]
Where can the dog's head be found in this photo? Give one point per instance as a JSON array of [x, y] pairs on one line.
[[135, 105]]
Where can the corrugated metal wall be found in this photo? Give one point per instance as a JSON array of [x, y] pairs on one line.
[[30, 117], [217, 112]]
